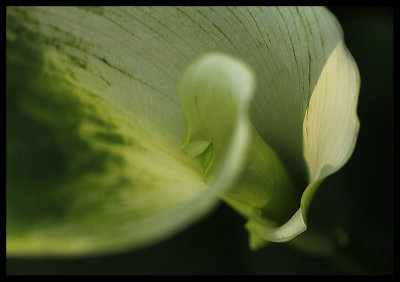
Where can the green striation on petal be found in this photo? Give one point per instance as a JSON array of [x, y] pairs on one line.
[[81, 176]]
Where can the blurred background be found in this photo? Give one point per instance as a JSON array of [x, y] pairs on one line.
[[359, 197]]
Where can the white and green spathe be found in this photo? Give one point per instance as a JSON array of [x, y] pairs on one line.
[[126, 124]]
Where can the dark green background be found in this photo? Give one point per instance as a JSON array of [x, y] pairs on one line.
[[359, 197]]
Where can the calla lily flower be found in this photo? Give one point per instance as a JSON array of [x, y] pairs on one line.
[[127, 124]]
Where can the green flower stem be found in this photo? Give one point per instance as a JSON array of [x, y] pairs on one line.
[[265, 191]]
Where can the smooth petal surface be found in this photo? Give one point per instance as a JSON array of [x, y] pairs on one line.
[[331, 125]]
